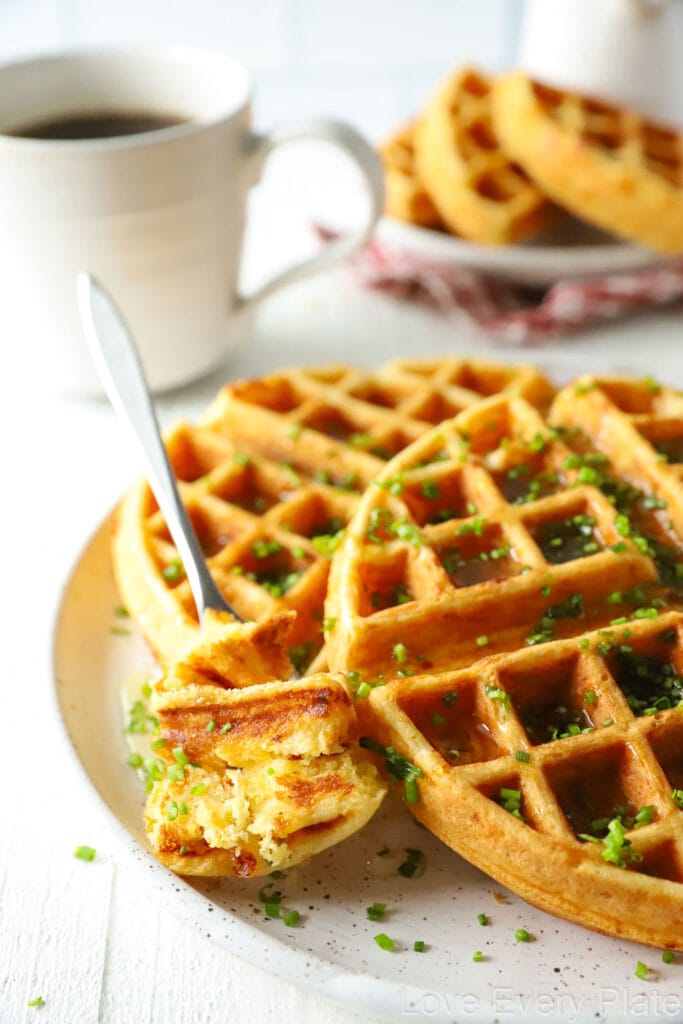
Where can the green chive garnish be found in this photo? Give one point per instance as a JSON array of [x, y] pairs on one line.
[[482, 919], [478, 956], [384, 942], [642, 971], [376, 911], [292, 918], [38, 1001], [668, 956], [522, 935], [400, 653], [85, 853], [419, 946]]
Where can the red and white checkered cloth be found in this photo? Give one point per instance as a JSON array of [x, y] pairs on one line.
[[505, 313]]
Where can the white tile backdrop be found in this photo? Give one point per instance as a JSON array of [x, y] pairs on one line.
[[369, 61]]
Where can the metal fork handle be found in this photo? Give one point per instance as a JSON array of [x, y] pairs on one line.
[[117, 361]]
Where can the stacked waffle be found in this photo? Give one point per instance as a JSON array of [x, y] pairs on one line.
[[493, 160], [503, 620]]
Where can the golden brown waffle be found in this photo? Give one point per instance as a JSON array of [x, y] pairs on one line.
[[477, 190], [270, 477], [406, 197], [605, 164], [246, 780], [476, 531], [506, 604]]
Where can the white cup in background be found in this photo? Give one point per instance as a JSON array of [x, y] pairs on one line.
[[627, 52], [158, 217]]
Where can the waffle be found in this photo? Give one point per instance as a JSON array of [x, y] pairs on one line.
[[507, 605], [259, 777], [406, 197], [477, 190], [270, 477], [607, 165]]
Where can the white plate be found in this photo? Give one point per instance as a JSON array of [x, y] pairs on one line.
[[567, 973], [571, 249]]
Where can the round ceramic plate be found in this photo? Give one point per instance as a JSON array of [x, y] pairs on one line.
[[564, 973], [570, 249]]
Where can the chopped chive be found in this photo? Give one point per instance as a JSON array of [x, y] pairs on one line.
[[174, 571], [644, 816], [482, 919], [414, 864], [478, 956], [400, 652], [482, 641], [226, 728], [419, 946], [172, 810], [589, 697], [292, 918], [38, 1001], [211, 726], [642, 971], [158, 744], [363, 690], [384, 942], [180, 756], [198, 789], [183, 850], [522, 755], [430, 489], [499, 694], [294, 431], [183, 808], [412, 792], [85, 853], [264, 548], [522, 935], [241, 458], [668, 956], [376, 911], [449, 698], [134, 760]]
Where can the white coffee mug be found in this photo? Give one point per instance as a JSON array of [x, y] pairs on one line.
[[158, 217]]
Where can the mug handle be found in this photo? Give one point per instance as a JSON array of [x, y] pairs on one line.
[[352, 143]]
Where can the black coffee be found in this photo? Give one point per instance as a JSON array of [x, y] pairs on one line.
[[108, 125]]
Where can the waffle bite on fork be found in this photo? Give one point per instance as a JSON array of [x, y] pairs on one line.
[[508, 604], [251, 773]]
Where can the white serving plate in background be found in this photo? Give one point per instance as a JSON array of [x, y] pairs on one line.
[[569, 250]]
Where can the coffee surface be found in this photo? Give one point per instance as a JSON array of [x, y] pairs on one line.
[[107, 125]]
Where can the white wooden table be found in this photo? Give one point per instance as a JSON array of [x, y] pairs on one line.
[[85, 936]]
